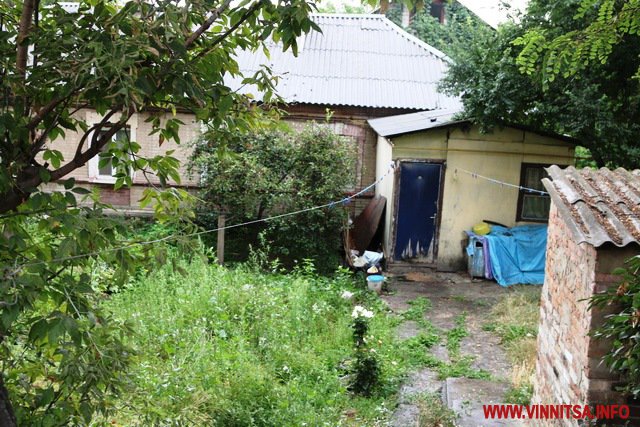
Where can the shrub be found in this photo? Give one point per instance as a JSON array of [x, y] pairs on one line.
[[366, 368], [275, 172]]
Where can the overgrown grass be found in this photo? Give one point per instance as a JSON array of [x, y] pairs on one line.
[[416, 352], [239, 348], [432, 412], [515, 320]]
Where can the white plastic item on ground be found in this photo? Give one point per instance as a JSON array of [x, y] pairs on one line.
[[372, 258]]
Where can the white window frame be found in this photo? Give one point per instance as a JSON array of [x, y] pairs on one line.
[[94, 171]]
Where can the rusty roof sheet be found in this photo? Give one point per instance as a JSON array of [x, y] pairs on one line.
[[599, 206], [357, 60]]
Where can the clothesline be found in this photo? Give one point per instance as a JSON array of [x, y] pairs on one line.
[[502, 183], [332, 204]]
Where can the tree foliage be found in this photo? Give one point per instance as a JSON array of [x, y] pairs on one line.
[[500, 79], [279, 171], [63, 358], [461, 28], [602, 26]]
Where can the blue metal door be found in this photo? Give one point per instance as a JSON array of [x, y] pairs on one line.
[[419, 192]]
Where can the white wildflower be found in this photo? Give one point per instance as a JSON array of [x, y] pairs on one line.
[[346, 295], [360, 311]]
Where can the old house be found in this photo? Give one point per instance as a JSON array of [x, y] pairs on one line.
[[593, 229], [443, 182], [360, 67]]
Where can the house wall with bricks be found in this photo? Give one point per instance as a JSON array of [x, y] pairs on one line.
[[569, 368], [349, 122], [150, 146]]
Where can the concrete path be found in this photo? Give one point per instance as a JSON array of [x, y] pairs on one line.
[[451, 296]]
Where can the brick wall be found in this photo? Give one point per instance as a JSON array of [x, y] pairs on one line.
[[569, 368], [350, 123]]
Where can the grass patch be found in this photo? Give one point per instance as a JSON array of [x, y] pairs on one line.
[[456, 334], [515, 320], [415, 351], [419, 307], [241, 348], [432, 412]]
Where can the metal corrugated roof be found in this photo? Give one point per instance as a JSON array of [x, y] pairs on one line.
[[357, 60], [599, 206], [412, 122]]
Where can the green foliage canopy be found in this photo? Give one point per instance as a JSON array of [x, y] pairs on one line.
[[462, 26], [505, 77], [271, 172], [63, 358]]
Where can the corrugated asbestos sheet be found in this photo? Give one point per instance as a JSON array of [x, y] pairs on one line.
[[357, 60], [599, 206], [412, 122]]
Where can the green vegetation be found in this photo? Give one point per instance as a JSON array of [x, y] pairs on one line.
[[622, 325], [243, 348], [568, 66], [456, 334], [419, 307], [416, 351], [433, 413], [63, 358], [515, 320], [461, 28], [270, 172]]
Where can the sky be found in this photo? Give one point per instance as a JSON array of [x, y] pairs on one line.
[[493, 11]]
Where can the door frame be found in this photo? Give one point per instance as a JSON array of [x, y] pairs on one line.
[[396, 205]]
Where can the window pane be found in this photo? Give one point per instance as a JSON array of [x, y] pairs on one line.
[[107, 169], [533, 176], [535, 207]]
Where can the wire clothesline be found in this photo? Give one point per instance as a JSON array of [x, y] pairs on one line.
[[502, 183], [332, 204]]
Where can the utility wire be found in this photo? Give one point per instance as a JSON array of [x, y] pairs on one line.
[[502, 183], [343, 201]]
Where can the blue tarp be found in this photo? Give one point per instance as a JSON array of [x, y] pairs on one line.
[[517, 254]]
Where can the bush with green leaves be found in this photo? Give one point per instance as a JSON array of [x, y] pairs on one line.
[[622, 326], [365, 375], [274, 172]]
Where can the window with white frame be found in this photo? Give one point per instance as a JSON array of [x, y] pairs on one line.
[[105, 166], [101, 169]]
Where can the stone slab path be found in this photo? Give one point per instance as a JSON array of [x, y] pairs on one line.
[[451, 296]]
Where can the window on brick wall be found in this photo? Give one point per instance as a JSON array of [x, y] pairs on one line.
[[101, 167], [533, 206]]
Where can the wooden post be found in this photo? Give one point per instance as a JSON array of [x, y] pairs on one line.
[[220, 248]]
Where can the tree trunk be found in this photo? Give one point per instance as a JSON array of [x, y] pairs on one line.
[[7, 417]]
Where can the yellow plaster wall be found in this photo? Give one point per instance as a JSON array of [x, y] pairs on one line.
[[384, 153], [467, 200]]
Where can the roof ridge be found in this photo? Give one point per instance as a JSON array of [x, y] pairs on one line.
[[347, 15], [402, 32]]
